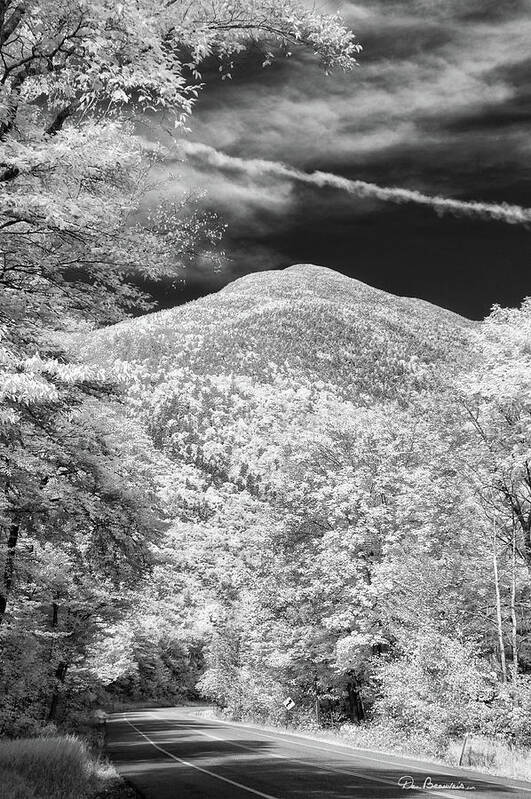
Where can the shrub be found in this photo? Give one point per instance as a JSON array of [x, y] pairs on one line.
[[384, 737], [437, 688], [508, 715]]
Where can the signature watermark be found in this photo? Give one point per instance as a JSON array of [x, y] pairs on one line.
[[408, 783]]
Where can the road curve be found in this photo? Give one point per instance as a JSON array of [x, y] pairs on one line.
[[169, 753]]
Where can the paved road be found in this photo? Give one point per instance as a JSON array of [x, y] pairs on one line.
[[171, 753]]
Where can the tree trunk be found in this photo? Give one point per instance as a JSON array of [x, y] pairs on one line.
[[498, 605], [355, 703], [60, 671], [514, 626], [9, 567], [57, 123], [60, 674], [521, 514]]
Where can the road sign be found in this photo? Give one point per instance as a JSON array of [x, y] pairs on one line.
[[288, 703]]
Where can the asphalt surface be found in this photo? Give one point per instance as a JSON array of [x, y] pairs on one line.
[[170, 753]]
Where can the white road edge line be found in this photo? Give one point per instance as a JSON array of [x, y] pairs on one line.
[[447, 771], [202, 770], [326, 769]]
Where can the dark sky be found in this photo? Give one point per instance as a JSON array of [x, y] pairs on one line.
[[440, 103]]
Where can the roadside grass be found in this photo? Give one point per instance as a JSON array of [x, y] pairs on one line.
[[481, 753], [50, 768], [494, 756], [14, 786], [386, 739], [488, 755]]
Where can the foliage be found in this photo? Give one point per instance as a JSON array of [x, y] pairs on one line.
[[81, 516], [438, 687], [82, 55], [73, 172], [496, 399]]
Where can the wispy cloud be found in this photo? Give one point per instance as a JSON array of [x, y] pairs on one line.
[[421, 69], [383, 172], [256, 168]]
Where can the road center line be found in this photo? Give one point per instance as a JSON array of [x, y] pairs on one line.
[[326, 769], [199, 768]]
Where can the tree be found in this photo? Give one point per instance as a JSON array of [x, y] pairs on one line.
[[82, 514], [495, 399], [72, 171], [438, 686], [84, 54]]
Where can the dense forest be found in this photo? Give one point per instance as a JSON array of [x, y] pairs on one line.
[[346, 479], [299, 486]]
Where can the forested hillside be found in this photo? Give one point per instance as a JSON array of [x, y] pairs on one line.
[[306, 323], [344, 477]]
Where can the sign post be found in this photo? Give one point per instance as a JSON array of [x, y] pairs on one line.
[[317, 701], [465, 741]]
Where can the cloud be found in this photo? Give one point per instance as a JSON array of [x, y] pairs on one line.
[[259, 168], [250, 207], [354, 171], [424, 66]]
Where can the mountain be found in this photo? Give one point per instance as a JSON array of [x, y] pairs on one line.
[[306, 324], [223, 384], [299, 425]]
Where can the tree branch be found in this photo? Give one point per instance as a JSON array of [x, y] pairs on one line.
[[10, 25]]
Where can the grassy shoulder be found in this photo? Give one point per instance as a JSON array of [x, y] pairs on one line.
[[478, 752], [492, 756], [57, 767]]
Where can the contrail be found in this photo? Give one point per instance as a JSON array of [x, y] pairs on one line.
[[502, 212]]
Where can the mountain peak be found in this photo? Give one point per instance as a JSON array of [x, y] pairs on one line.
[[299, 274], [307, 322], [312, 281]]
